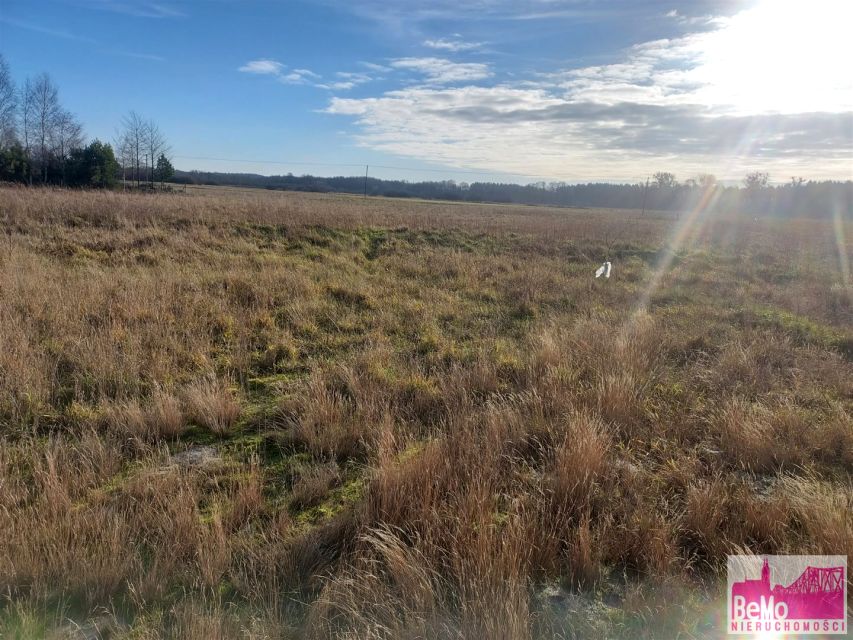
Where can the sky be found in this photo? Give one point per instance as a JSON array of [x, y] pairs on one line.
[[508, 90]]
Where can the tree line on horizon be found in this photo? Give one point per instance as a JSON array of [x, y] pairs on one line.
[[663, 192], [42, 143]]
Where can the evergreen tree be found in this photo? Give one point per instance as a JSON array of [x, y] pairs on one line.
[[164, 170], [93, 166], [14, 166]]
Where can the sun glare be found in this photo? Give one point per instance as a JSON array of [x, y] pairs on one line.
[[785, 56]]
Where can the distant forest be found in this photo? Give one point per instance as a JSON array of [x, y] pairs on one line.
[[663, 192], [42, 143]]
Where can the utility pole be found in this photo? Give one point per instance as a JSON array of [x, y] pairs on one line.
[[645, 191], [366, 167]]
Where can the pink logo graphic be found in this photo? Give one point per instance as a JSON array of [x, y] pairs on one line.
[[787, 594]]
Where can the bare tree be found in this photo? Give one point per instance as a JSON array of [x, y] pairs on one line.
[[756, 180], [8, 104], [27, 106], [44, 97], [124, 153], [665, 180], [67, 135], [155, 146], [707, 180], [132, 138]]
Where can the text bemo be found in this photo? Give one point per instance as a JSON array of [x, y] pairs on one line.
[[762, 610]]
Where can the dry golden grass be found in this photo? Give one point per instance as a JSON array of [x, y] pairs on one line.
[[212, 405], [229, 414], [162, 417], [311, 485]]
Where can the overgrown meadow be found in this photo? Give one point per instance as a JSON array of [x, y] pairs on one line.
[[231, 414]]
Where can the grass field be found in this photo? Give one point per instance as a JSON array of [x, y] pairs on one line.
[[230, 414]]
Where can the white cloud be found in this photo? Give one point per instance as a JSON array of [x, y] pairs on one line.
[[349, 79], [744, 65], [336, 86], [441, 125], [732, 98], [306, 73], [374, 67], [535, 132], [276, 69], [454, 45], [354, 76], [263, 66], [441, 71], [299, 76]]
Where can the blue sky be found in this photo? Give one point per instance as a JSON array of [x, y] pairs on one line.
[[569, 90]]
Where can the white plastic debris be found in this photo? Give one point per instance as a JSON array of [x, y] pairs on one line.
[[603, 270]]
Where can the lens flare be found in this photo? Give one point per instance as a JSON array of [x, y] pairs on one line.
[[687, 230]]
